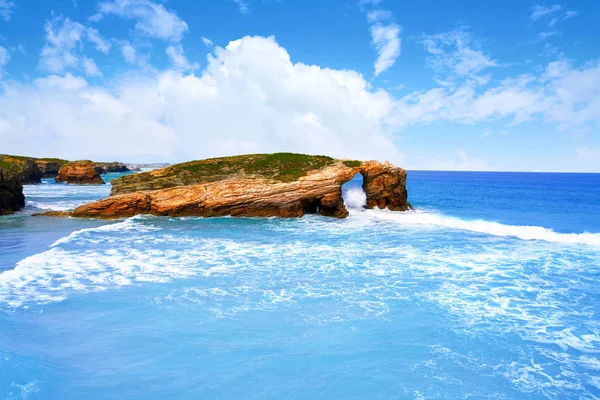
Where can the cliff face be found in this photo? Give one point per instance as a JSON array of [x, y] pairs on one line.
[[111, 167], [278, 185], [49, 167], [25, 166], [81, 172], [11, 190]]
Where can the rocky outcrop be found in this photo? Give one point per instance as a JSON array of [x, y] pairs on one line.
[[80, 172], [112, 167], [25, 166], [49, 167], [11, 190], [279, 185]]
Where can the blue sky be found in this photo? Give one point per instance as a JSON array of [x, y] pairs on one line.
[[464, 85]]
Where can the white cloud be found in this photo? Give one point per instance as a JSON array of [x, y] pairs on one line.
[[90, 67], [554, 12], [250, 98], [6, 9], [64, 44], [101, 45], [460, 160], [457, 54], [153, 19], [379, 15], [4, 59], [562, 95], [571, 14], [540, 11], [128, 52], [385, 39], [207, 42], [178, 58], [242, 6]]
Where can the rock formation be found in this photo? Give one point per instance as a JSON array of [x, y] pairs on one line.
[[262, 185], [49, 167], [25, 166], [111, 167], [81, 172], [11, 189]]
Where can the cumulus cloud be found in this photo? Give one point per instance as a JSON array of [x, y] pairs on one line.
[[178, 58], [6, 9], [457, 54], [385, 37], [207, 42], [152, 18], [64, 45], [250, 98], [129, 53]]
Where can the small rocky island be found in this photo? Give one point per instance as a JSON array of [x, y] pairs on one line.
[[81, 172], [16, 171], [259, 185]]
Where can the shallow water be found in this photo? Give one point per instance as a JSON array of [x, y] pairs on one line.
[[491, 289]]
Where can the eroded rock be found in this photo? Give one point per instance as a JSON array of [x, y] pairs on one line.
[[80, 172], [279, 185], [11, 190]]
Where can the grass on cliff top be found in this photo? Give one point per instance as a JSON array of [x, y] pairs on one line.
[[54, 160], [285, 167], [25, 158], [7, 161]]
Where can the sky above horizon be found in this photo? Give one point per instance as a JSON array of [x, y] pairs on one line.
[[466, 85]]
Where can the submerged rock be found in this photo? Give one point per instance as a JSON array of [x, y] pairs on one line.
[[262, 185], [11, 189], [81, 172]]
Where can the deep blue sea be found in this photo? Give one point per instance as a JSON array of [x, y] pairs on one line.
[[490, 289]]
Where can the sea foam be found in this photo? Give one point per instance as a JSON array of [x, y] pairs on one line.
[[418, 218]]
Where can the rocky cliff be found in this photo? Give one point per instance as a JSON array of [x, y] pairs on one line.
[[263, 185], [80, 172], [49, 167], [25, 166], [112, 167], [11, 189]]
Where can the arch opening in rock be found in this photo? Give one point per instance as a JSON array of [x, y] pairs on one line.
[[353, 193]]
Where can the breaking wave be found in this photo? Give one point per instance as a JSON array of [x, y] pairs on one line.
[[418, 218]]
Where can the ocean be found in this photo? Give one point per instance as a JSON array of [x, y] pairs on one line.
[[490, 289]]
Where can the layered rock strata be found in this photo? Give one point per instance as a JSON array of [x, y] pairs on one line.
[[80, 172], [272, 185]]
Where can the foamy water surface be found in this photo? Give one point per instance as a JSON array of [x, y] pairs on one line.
[[427, 304]]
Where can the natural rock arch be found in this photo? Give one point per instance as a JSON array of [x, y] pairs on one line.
[[273, 185]]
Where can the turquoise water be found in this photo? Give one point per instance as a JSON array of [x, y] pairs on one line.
[[490, 289]]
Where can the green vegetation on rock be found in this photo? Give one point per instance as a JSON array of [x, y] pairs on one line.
[[352, 163], [281, 167], [284, 167]]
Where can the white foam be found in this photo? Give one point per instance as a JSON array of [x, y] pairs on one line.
[[416, 218], [355, 198]]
